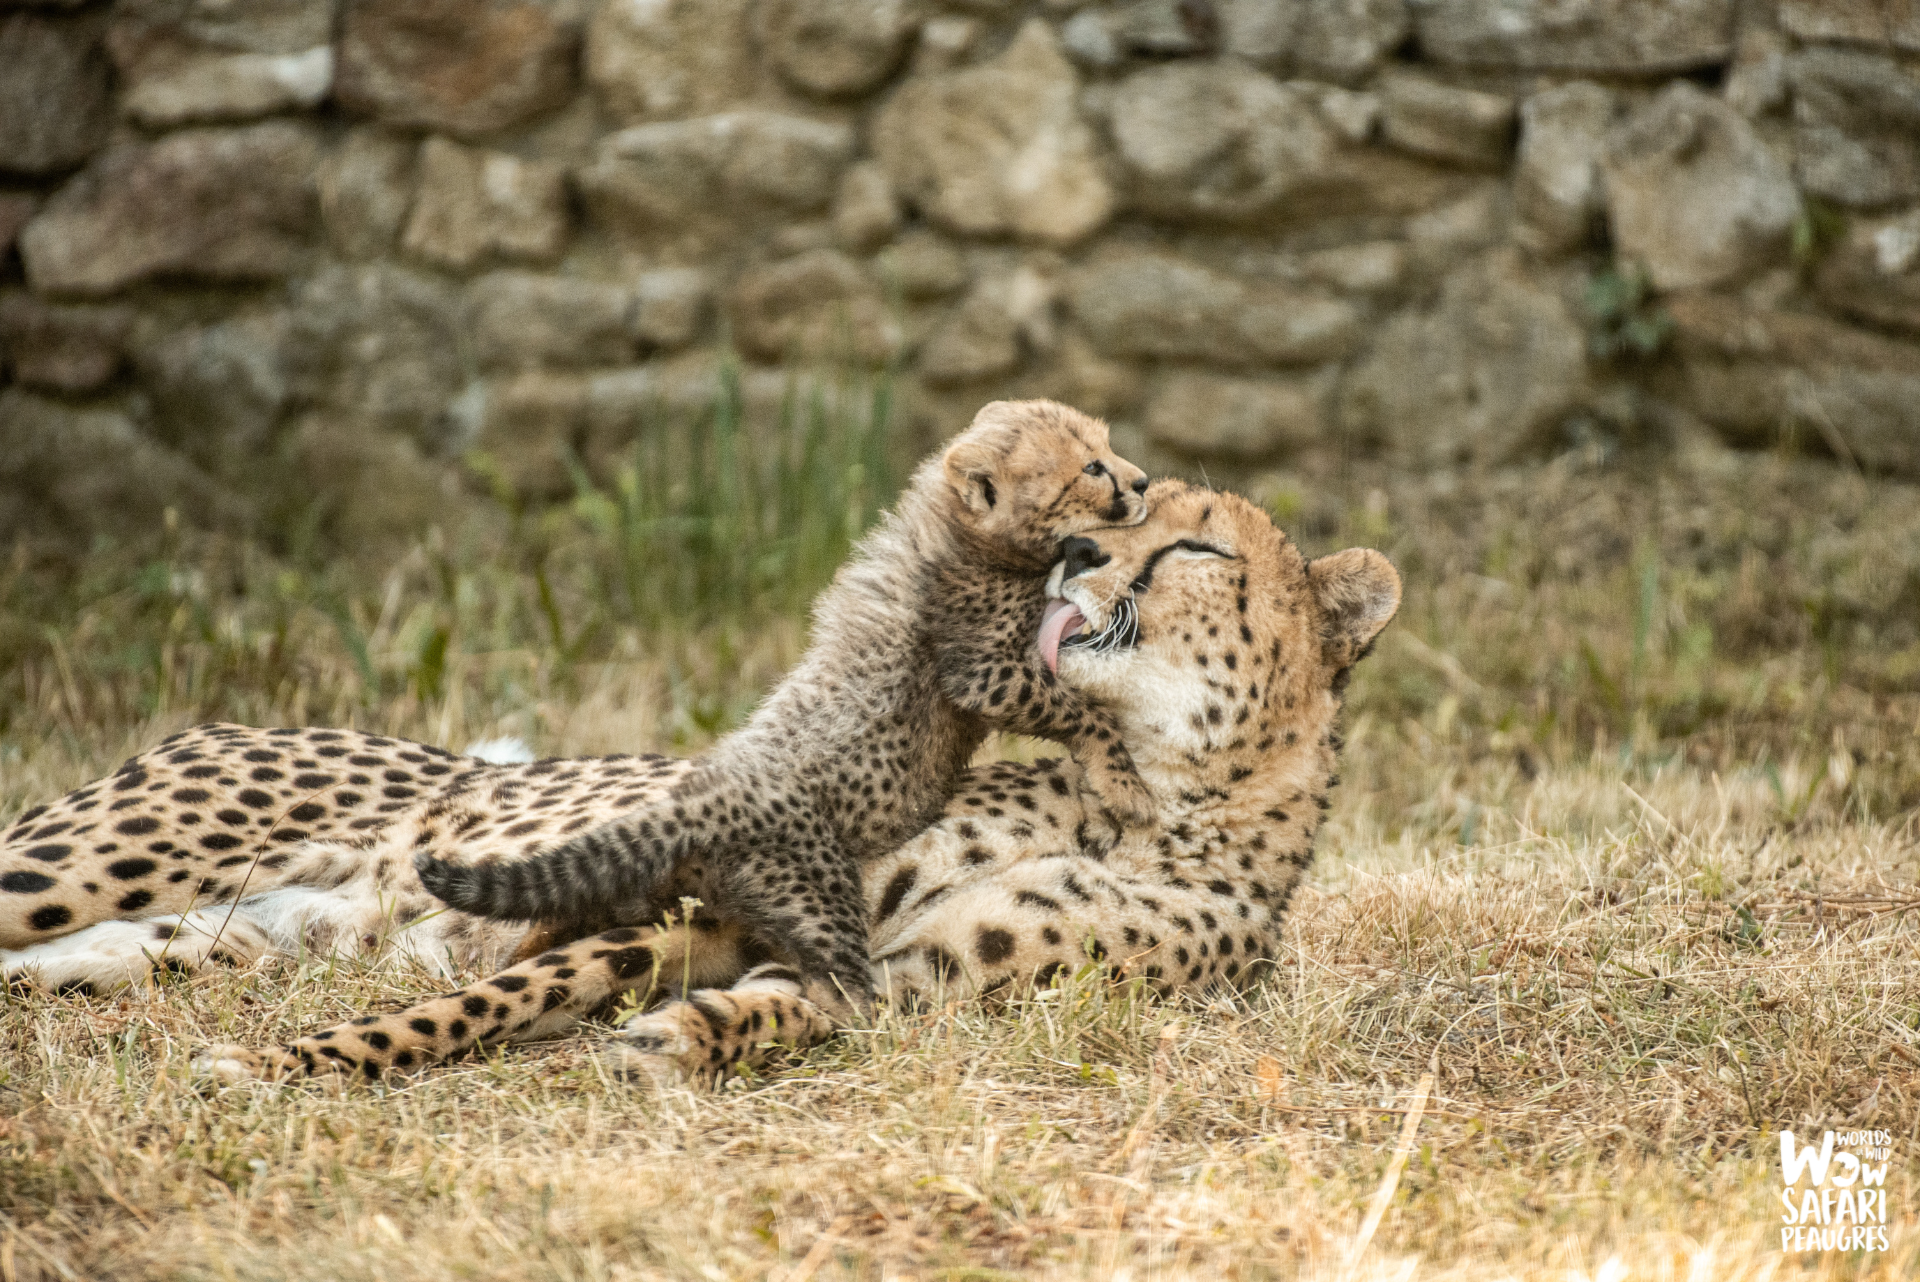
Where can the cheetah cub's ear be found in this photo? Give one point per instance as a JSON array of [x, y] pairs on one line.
[[973, 461], [1358, 591]]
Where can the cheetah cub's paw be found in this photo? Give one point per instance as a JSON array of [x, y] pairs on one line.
[[228, 1063]]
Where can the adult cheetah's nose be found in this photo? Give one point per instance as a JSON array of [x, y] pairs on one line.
[[1140, 485], [1080, 554]]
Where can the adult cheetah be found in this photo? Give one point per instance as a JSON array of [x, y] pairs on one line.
[[1224, 656], [922, 643]]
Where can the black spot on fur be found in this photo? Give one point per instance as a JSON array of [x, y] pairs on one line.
[[50, 854], [129, 869], [993, 945], [52, 917], [424, 1026], [896, 891], [626, 963], [510, 983], [138, 826], [25, 882], [135, 901]]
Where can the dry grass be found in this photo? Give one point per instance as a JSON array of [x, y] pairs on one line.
[[1634, 909]]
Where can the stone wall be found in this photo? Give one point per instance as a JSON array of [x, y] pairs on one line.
[[267, 249]]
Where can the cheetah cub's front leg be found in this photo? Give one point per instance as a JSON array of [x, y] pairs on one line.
[[717, 1030], [991, 664]]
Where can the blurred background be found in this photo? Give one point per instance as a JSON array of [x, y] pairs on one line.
[[460, 365]]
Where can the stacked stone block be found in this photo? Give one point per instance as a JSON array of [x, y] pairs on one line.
[[343, 245]]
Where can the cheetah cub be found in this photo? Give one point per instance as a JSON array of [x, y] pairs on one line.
[[923, 642]]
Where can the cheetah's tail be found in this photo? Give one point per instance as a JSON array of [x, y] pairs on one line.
[[595, 872]]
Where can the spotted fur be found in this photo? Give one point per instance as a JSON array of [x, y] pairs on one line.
[[923, 642], [226, 844], [1222, 653]]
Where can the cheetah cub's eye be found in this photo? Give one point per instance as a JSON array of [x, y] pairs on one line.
[[1095, 468]]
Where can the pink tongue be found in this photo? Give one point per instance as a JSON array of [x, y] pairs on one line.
[[1060, 620]]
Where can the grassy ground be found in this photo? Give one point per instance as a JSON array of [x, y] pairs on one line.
[[1626, 860]]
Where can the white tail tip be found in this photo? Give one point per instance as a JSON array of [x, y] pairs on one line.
[[504, 751]]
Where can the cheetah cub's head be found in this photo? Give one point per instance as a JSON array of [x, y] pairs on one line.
[[1206, 630], [1028, 474]]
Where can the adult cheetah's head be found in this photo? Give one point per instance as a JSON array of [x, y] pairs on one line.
[[1028, 474], [1204, 623]]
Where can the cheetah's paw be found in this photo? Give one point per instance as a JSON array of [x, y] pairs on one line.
[[626, 1062], [1125, 802], [669, 1046], [227, 1063]]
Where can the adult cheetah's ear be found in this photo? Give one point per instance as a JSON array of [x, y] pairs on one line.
[[1358, 591]]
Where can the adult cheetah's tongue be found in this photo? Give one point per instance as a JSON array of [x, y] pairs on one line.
[[1061, 620]]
